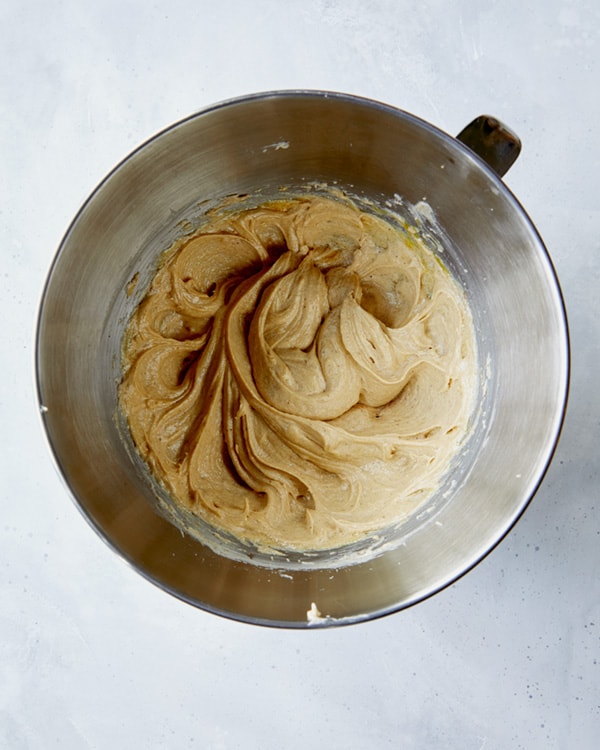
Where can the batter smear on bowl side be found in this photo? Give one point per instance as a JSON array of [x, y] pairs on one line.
[[300, 374]]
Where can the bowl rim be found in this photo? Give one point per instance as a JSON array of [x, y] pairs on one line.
[[560, 411]]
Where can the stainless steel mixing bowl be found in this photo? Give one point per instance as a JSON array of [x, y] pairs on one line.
[[261, 143]]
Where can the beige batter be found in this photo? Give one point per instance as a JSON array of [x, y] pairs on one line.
[[300, 374]]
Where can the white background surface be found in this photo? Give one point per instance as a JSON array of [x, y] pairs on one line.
[[93, 656]]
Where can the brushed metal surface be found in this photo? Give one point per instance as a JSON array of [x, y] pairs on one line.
[[261, 143]]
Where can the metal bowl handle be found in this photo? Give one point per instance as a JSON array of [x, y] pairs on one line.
[[496, 144]]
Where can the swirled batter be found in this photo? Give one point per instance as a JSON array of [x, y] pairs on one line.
[[300, 374]]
